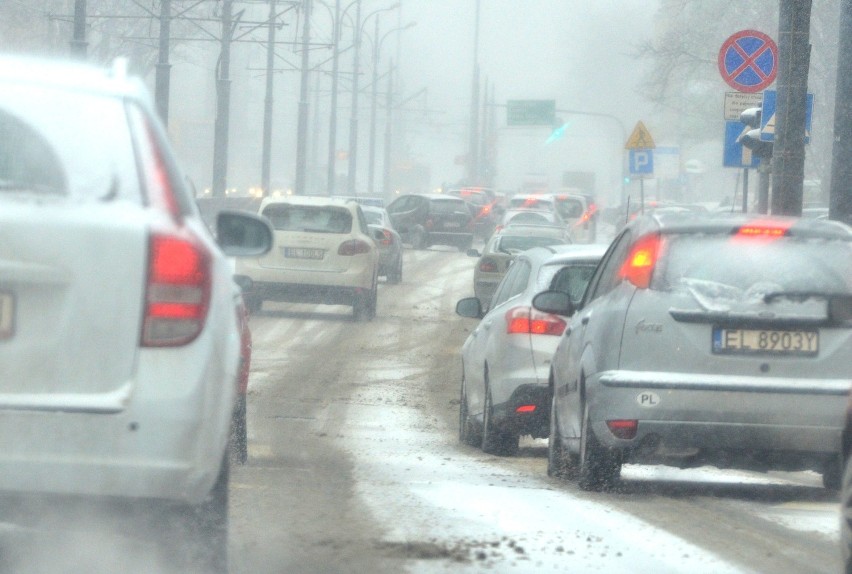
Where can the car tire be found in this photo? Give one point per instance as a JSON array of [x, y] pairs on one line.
[[494, 439], [418, 239], [253, 303], [600, 467], [846, 517], [832, 474], [560, 462], [468, 433], [195, 537], [238, 447], [395, 275]]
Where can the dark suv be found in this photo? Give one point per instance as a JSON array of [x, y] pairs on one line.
[[483, 207], [425, 219]]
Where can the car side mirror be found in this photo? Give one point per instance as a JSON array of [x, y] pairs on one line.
[[243, 234], [473, 253], [470, 307], [554, 302], [377, 233]]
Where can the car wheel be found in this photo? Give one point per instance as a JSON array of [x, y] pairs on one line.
[[560, 462], [846, 518], [418, 240], [599, 467], [253, 303], [467, 430], [832, 474], [195, 538], [239, 432], [494, 439], [395, 276]]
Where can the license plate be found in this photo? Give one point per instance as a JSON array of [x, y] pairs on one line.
[[766, 341], [303, 253], [7, 315], [452, 224]]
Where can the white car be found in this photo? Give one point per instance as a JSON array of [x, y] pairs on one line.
[[119, 327], [506, 359], [324, 253]]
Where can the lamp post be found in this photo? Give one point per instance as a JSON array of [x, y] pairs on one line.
[[377, 48], [473, 147], [353, 120], [302, 135]]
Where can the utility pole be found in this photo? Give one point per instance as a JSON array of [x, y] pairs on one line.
[[473, 148], [386, 179], [331, 172], [161, 89], [223, 104], [840, 198], [353, 119], [788, 152], [78, 42], [371, 168], [266, 160], [302, 135]]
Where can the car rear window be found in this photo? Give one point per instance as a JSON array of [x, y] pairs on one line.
[[373, 217], [530, 203], [63, 143], [529, 217], [309, 218], [732, 267], [570, 207], [513, 243], [449, 206]]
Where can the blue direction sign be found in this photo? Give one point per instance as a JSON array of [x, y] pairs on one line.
[[748, 61], [767, 116], [641, 162], [736, 154]]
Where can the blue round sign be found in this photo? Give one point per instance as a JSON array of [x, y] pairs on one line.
[[748, 61]]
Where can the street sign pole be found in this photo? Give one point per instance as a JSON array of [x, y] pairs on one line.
[[745, 190]]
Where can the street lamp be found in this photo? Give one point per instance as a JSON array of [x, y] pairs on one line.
[[353, 121], [377, 48]]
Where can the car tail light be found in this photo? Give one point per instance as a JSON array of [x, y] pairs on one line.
[[639, 265], [526, 320], [498, 228], [488, 266], [525, 409], [388, 240], [623, 429], [177, 292], [353, 247], [429, 224]]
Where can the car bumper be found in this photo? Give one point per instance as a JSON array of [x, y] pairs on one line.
[[689, 414], [527, 411]]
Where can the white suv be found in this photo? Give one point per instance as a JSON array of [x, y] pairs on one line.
[[119, 333], [324, 253]]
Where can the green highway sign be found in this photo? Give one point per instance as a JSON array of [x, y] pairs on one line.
[[531, 113]]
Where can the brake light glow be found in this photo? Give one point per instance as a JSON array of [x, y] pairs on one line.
[[639, 265], [766, 230], [353, 247], [429, 223], [525, 409], [177, 291], [623, 429], [526, 320], [388, 240], [488, 266]]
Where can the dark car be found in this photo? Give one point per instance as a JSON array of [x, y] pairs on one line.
[[426, 219], [483, 207]]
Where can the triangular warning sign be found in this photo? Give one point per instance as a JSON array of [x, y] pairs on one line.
[[640, 138]]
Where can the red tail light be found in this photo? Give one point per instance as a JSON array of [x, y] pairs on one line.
[[526, 320], [525, 409], [623, 429], [429, 223], [488, 266], [177, 293], [388, 240], [353, 247], [639, 265]]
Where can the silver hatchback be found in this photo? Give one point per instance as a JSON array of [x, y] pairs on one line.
[[706, 340]]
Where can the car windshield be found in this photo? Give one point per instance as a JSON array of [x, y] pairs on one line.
[[287, 217]]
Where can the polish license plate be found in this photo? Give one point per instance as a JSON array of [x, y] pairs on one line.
[[803, 342], [303, 253], [7, 315], [452, 224]]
